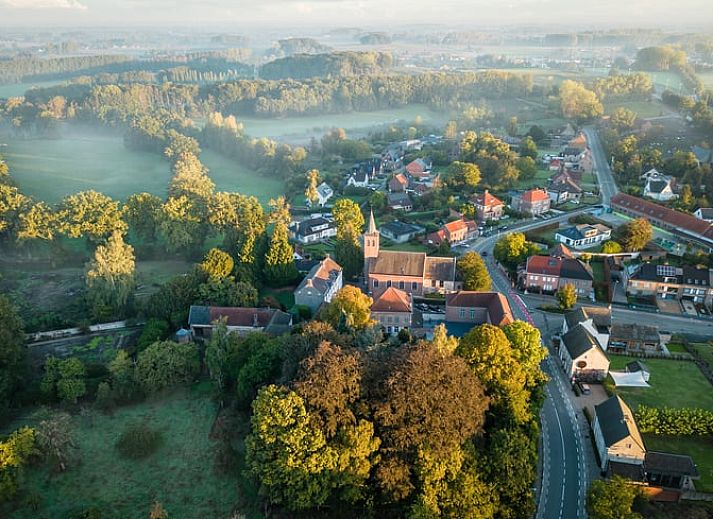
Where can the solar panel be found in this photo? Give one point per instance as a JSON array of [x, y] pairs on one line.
[[666, 270]]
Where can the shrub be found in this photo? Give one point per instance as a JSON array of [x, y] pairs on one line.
[[674, 421], [139, 441]]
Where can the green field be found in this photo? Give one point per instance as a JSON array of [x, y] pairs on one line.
[[19, 89], [643, 109], [700, 448], [181, 475], [50, 169], [705, 350], [674, 383], [668, 80]]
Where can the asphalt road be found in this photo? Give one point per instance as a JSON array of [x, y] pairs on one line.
[[565, 472], [607, 186]]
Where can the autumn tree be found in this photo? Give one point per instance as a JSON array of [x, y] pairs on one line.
[[474, 272], [512, 249], [217, 264], [528, 350], [350, 308], [612, 499], [566, 296], [91, 214], [165, 364], [635, 234], [528, 148], [55, 438], [611, 247], [227, 292], [110, 277], [180, 224], [623, 119], [350, 224], [16, 452], [577, 102], [312, 182], [141, 212], [190, 178], [37, 222], [463, 175], [280, 266]]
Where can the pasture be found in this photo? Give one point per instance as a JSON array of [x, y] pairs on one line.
[[19, 89], [50, 169], [181, 474]]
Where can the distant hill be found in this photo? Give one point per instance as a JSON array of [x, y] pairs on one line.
[[303, 66]]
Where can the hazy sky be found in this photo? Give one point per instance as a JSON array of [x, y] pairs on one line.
[[376, 14]]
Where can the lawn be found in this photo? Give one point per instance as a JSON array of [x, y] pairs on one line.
[[409, 246], [705, 350], [180, 475], [700, 448], [541, 178], [641, 108], [50, 169], [674, 383], [19, 89]]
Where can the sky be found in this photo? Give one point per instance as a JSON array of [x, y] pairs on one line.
[[376, 14]]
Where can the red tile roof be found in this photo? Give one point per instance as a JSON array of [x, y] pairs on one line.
[[487, 200], [455, 225], [535, 195], [392, 300], [401, 179], [545, 265], [497, 304]]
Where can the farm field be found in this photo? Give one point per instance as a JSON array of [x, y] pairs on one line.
[[301, 129], [674, 383], [181, 475], [51, 169], [643, 109]]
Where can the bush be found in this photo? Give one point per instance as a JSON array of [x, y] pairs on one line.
[[674, 421], [139, 441]]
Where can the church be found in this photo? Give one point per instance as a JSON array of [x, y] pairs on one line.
[[413, 272]]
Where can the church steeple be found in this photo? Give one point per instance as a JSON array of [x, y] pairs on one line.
[[371, 239]]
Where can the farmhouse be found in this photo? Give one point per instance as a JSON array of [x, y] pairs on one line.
[[583, 236], [319, 286], [392, 308], [582, 356], [242, 321]]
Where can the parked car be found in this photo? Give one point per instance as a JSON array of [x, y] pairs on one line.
[[585, 389]]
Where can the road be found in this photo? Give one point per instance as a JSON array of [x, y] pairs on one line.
[[565, 471], [607, 186]]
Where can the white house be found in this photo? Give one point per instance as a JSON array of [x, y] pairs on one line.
[[658, 186], [359, 178], [315, 229], [320, 285], [596, 320], [324, 193], [616, 435], [583, 236], [704, 213]]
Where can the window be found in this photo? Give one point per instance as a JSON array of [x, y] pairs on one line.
[[461, 313], [401, 285], [414, 286], [390, 319], [388, 283], [441, 283], [472, 313], [433, 283], [376, 283]]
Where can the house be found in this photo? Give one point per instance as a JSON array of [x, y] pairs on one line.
[[678, 223], [596, 320], [533, 202], [670, 471], [703, 155], [400, 232], [561, 251], [616, 434], [398, 183], [488, 207], [419, 168], [399, 202], [704, 213], [634, 338], [637, 366], [324, 193], [412, 272], [358, 178], [582, 356], [658, 186], [313, 230], [392, 308], [583, 236], [455, 232], [319, 286], [466, 309], [545, 274], [563, 188], [669, 282], [242, 321]]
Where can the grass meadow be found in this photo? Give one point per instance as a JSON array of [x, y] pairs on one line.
[[51, 169], [181, 474]]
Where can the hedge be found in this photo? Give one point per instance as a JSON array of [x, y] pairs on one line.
[[674, 421]]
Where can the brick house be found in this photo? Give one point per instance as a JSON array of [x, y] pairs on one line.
[[477, 308], [669, 282], [545, 274], [393, 310], [533, 202], [455, 232], [319, 286], [241, 321], [488, 207], [398, 183]]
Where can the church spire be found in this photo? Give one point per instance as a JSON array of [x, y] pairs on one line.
[[372, 223]]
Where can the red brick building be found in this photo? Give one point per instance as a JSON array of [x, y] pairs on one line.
[[392, 309], [533, 202], [488, 207], [545, 274]]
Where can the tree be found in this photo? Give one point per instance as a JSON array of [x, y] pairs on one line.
[[450, 132], [312, 182], [611, 247], [512, 249], [526, 343], [227, 292], [158, 511], [350, 308], [190, 178], [349, 254], [110, 276], [635, 234], [623, 119], [527, 168], [463, 175], [348, 217], [154, 330], [37, 222], [179, 224], [16, 451], [123, 376], [287, 453], [528, 148], [217, 264], [216, 355], [141, 212], [55, 440], [64, 379], [537, 133], [255, 361], [280, 269], [611, 499], [576, 102], [512, 128], [567, 296], [166, 364], [89, 213], [13, 354], [474, 272]]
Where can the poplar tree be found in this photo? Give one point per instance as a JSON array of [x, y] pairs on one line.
[[110, 276]]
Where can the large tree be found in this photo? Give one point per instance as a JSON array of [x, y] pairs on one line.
[[463, 175], [180, 224], [577, 102], [512, 249], [311, 193], [12, 353], [612, 499], [190, 178], [217, 264], [141, 212], [635, 234], [474, 272], [91, 214], [280, 269], [566, 296], [110, 276], [348, 217], [166, 364], [350, 309]]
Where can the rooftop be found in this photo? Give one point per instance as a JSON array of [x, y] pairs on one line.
[[497, 304], [398, 263], [578, 341], [617, 422], [392, 300], [322, 276]]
